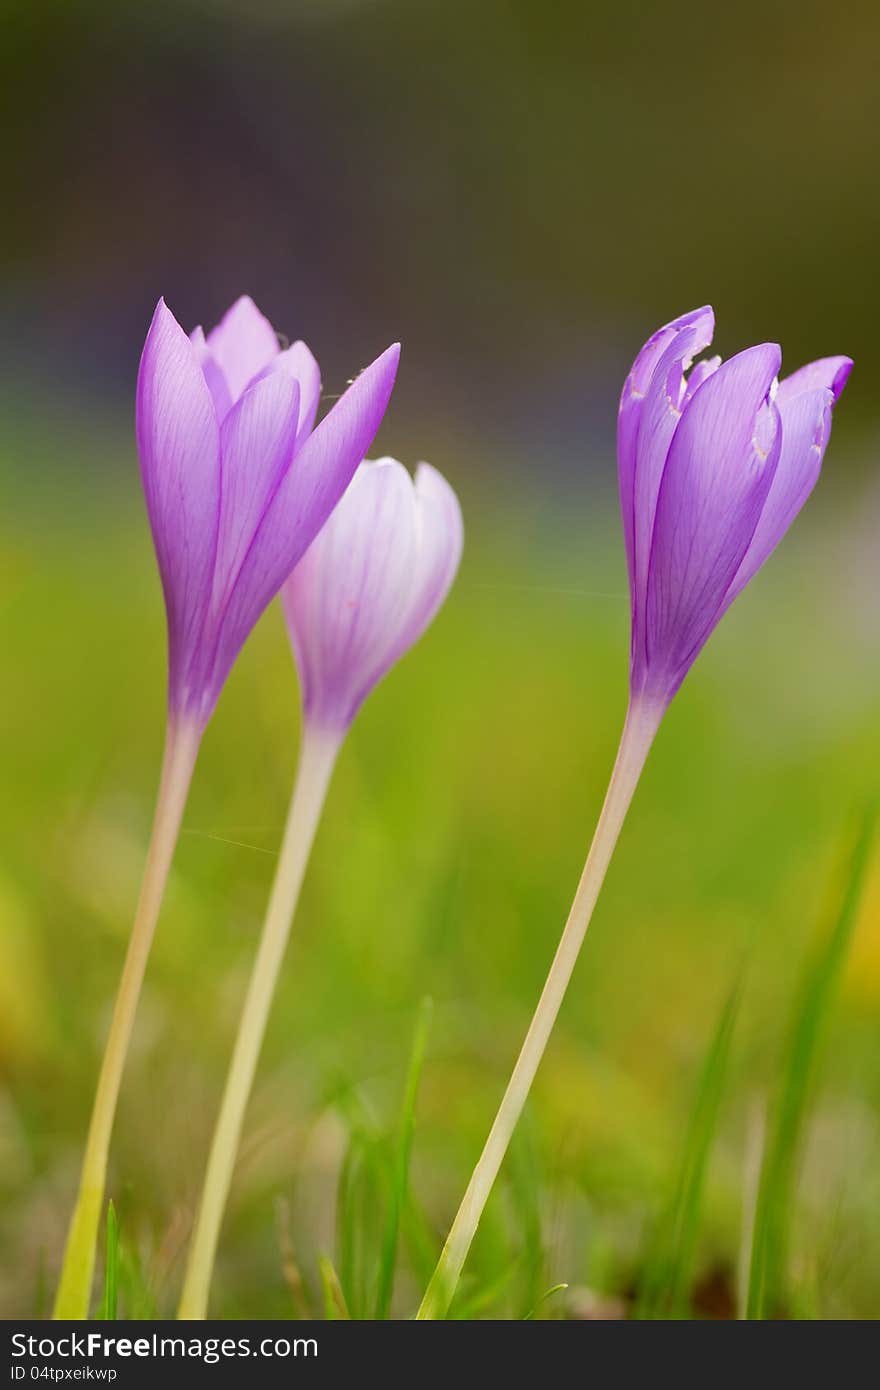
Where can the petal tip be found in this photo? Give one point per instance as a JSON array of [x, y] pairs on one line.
[[162, 311], [841, 377]]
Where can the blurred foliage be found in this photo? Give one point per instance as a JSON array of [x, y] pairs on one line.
[[453, 837], [520, 191], [768, 1274], [667, 1280]]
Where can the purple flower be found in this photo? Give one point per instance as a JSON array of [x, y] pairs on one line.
[[715, 461], [369, 585], [238, 482]]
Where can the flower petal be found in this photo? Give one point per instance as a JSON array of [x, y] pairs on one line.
[[659, 417], [213, 375], [832, 373], [242, 344], [440, 543], [805, 400], [647, 418], [721, 464], [306, 495], [178, 443], [370, 584], [700, 372], [298, 362], [256, 447], [806, 426], [348, 598]]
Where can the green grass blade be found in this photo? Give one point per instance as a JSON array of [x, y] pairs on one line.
[[545, 1296], [401, 1160], [419, 1239], [109, 1298], [767, 1292], [469, 1307], [137, 1296], [524, 1182], [335, 1309], [356, 1200], [669, 1266]]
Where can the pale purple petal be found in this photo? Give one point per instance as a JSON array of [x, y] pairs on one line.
[[298, 362], [660, 413], [349, 596], [806, 426], [719, 471], [257, 442], [700, 322], [301, 504], [243, 344], [805, 400], [370, 584], [178, 443], [832, 373], [217, 384], [441, 538], [700, 372]]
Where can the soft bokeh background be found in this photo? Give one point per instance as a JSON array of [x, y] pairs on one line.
[[521, 192]]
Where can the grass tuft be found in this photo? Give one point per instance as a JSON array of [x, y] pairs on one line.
[[109, 1298], [335, 1307], [767, 1292], [401, 1159], [669, 1266]]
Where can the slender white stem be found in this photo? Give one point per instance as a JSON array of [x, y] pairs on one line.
[[74, 1290], [317, 757], [642, 722]]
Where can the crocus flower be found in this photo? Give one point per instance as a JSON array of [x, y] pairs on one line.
[[238, 482], [370, 584], [715, 462], [365, 590]]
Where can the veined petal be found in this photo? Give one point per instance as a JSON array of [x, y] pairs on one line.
[[718, 474], [178, 443], [440, 543], [805, 400], [370, 584], [630, 408], [298, 362], [213, 375], [660, 413], [832, 373], [242, 344], [700, 372], [648, 414], [348, 597], [306, 495], [256, 447], [806, 426]]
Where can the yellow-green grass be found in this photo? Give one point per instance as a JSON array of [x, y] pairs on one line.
[[454, 834]]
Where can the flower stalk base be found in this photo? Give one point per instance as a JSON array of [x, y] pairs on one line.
[[74, 1290], [641, 725], [317, 757]]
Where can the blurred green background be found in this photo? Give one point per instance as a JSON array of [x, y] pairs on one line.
[[521, 193]]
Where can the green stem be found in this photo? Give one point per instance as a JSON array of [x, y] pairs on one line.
[[74, 1291], [317, 757], [642, 721]]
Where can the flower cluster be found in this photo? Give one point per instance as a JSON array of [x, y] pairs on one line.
[[249, 497]]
